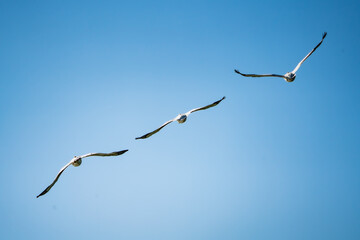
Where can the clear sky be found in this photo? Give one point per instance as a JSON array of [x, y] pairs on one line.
[[274, 160]]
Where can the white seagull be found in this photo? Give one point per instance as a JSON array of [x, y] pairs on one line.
[[290, 76], [76, 161], [181, 118]]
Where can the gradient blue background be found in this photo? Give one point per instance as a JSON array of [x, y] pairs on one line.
[[274, 160]]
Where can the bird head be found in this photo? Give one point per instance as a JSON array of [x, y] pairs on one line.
[[182, 118], [76, 162], [290, 77]]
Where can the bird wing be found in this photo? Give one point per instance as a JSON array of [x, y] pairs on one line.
[[55, 180], [299, 64], [206, 107], [258, 75], [155, 131], [105, 154]]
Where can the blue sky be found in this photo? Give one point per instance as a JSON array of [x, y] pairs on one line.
[[274, 160]]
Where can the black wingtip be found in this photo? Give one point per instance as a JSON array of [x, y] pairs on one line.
[[142, 137], [123, 151], [40, 195], [237, 71], [324, 35]]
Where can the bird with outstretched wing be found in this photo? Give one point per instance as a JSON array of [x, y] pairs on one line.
[[289, 76], [181, 118], [76, 161]]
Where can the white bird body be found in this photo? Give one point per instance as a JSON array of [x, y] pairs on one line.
[[289, 76], [181, 118], [76, 161]]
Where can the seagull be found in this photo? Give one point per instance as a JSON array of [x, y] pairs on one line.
[[76, 161], [181, 118], [289, 76]]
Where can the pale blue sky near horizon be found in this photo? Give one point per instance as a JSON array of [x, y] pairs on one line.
[[274, 160]]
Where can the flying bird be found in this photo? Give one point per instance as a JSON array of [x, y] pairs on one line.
[[289, 76], [76, 161], [181, 118]]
